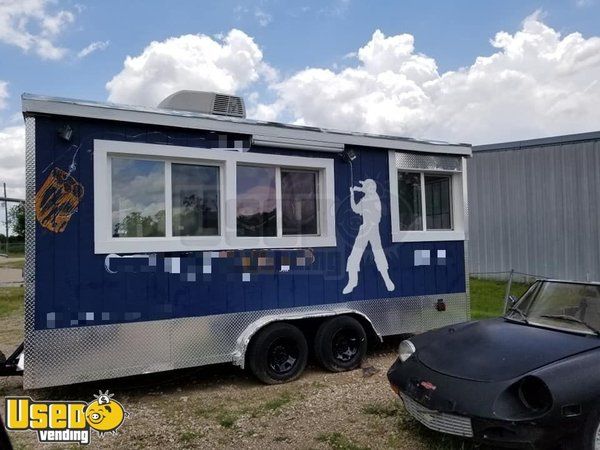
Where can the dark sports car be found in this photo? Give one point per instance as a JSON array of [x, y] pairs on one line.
[[529, 378]]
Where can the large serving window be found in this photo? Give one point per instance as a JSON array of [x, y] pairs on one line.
[[152, 197]]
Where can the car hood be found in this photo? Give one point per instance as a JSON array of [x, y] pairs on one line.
[[496, 349]]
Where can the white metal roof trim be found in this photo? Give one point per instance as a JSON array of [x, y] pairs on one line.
[[185, 119]]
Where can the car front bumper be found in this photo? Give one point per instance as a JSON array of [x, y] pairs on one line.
[[454, 406], [438, 421]]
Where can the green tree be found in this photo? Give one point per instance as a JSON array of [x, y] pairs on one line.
[[16, 219]]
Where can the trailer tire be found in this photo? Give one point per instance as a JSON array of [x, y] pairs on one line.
[[278, 354], [340, 344]]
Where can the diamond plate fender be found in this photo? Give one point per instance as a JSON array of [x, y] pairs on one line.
[[241, 346]]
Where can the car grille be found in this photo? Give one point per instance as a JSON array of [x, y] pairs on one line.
[[438, 421]]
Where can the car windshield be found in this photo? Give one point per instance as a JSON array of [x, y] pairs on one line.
[[571, 307]]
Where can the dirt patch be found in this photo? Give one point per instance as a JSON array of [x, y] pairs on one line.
[[10, 276], [12, 263], [223, 407]]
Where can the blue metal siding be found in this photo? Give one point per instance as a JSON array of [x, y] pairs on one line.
[[72, 281]]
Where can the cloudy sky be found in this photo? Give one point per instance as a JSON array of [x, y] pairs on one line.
[[478, 72]]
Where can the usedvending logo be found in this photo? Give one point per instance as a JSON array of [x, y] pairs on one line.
[[65, 421]]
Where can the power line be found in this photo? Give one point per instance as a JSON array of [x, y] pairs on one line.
[[11, 199]]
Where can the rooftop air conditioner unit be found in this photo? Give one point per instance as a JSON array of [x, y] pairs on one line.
[[205, 102]]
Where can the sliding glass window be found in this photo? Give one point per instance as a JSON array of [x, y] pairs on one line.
[[300, 215], [195, 200], [418, 192], [163, 198], [256, 201], [138, 197]]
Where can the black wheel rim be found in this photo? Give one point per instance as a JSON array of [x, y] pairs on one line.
[[345, 345], [282, 356]]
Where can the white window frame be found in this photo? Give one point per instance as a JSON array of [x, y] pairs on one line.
[[458, 191], [227, 160]]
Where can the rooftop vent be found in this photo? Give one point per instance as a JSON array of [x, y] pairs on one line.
[[205, 102]]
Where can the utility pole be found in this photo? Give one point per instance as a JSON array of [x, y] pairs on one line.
[[6, 201], [6, 217]]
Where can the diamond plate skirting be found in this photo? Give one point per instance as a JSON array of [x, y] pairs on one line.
[[29, 268], [428, 162], [74, 355]]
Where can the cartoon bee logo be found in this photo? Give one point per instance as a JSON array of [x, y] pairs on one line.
[[105, 414]]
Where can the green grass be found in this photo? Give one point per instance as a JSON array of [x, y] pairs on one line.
[[11, 300], [15, 249], [12, 264], [228, 415], [387, 409], [487, 297], [227, 419], [406, 425], [432, 439], [224, 417], [277, 402], [188, 436], [339, 442]]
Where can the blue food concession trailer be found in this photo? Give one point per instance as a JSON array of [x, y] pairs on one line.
[[184, 235]]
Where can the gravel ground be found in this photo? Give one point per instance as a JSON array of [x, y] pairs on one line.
[[222, 407]]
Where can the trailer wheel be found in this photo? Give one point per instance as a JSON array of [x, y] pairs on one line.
[[340, 344], [278, 354]]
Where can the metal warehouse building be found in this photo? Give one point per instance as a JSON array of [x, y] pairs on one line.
[[534, 206]]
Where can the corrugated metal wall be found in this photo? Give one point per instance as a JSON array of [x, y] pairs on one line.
[[536, 210]]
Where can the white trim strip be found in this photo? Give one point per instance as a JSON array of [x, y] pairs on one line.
[[168, 200], [301, 144]]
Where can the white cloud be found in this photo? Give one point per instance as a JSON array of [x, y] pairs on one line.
[[536, 83], [12, 152], [3, 93], [97, 45], [190, 61], [335, 8], [241, 13], [12, 160], [31, 25], [263, 18]]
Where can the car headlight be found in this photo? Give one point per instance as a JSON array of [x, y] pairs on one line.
[[534, 394], [406, 350]]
